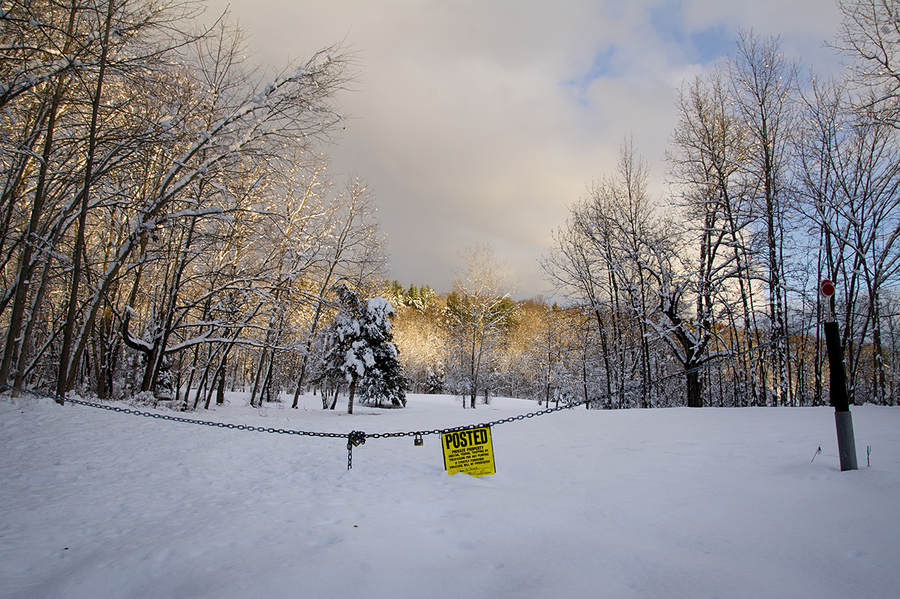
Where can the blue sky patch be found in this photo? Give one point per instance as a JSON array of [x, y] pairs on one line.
[[601, 67], [704, 46], [712, 43]]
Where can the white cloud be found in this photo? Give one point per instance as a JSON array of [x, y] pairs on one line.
[[479, 121]]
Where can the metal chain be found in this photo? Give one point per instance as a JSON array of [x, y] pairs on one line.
[[354, 438], [240, 427], [357, 438], [438, 431]]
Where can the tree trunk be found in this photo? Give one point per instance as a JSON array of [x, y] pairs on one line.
[[220, 393], [352, 393], [694, 387], [257, 378]]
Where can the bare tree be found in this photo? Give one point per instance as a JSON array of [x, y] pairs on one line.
[[870, 34], [599, 257], [351, 251], [709, 159], [480, 309], [851, 188], [763, 82]]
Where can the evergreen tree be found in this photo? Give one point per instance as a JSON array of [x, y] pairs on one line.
[[361, 350], [383, 380]]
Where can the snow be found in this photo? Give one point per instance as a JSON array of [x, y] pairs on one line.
[[633, 503], [378, 309]]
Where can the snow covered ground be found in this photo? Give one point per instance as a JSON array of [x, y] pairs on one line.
[[639, 503]]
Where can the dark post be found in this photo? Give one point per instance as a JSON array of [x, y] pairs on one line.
[[838, 391]]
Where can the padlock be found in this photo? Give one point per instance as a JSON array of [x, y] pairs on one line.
[[418, 441]]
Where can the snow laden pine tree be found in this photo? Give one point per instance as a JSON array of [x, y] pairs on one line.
[[360, 350]]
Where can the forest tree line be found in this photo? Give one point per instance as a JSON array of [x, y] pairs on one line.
[[170, 229]]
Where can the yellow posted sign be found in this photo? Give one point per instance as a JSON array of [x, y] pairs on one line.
[[469, 450]]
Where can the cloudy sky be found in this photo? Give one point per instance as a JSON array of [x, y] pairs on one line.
[[482, 121]]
